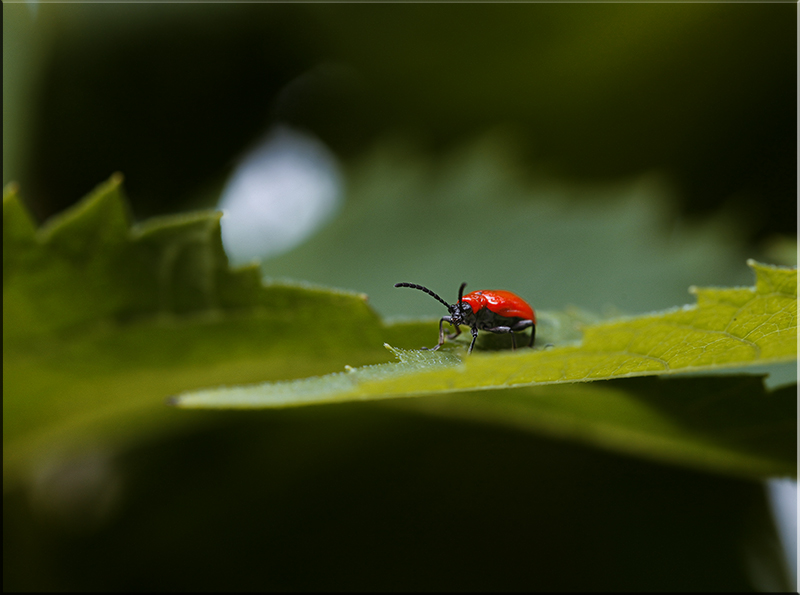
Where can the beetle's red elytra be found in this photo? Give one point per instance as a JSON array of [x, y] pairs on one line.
[[492, 310]]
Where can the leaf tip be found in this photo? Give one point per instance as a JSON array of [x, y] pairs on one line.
[[756, 265], [397, 353]]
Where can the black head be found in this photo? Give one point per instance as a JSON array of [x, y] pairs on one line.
[[461, 312]]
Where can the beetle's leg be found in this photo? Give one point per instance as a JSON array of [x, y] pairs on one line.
[[522, 325], [505, 329], [474, 336], [441, 332], [455, 334], [500, 329]]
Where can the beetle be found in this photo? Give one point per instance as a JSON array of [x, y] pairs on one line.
[[491, 310]]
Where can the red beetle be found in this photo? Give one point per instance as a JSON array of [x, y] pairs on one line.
[[491, 310]]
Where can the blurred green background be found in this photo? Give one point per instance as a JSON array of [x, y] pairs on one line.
[[600, 156]]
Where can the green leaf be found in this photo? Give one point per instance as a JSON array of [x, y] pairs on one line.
[[726, 328], [724, 424], [89, 264], [102, 321]]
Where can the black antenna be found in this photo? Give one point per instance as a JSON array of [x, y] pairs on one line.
[[426, 290], [461, 291]]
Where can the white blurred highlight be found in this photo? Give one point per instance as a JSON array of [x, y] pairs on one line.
[[280, 193], [783, 497]]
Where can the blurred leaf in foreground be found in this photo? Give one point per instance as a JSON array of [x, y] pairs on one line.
[[103, 320], [89, 264]]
